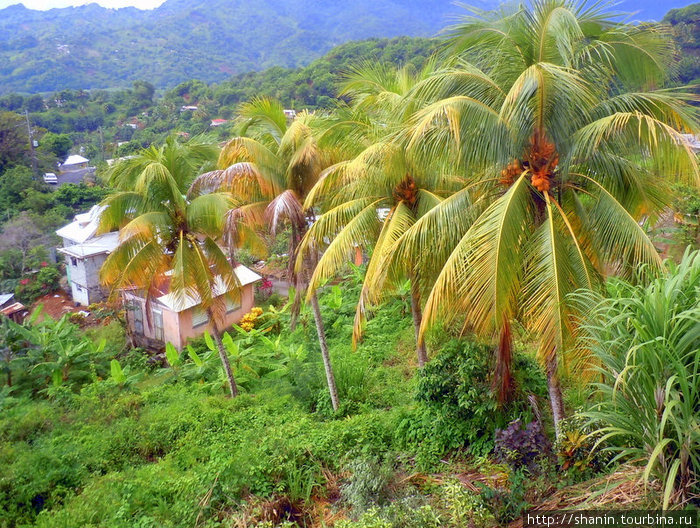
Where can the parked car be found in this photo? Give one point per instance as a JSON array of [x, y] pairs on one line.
[[50, 177]]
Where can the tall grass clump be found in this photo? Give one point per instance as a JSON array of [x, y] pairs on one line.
[[647, 342]]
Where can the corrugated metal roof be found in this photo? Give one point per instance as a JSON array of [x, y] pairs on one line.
[[74, 159], [245, 276], [83, 226], [95, 246], [13, 308], [5, 298]]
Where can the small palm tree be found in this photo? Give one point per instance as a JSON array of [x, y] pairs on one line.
[[269, 176], [167, 237], [554, 116], [371, 199]]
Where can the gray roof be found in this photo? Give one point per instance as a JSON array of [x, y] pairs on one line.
[[5, 298]]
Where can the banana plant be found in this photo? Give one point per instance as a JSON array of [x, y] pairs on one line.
[[69, 361], [122, 376]]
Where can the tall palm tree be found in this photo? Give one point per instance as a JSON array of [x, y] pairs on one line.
[[269, 176], [371, 199], [553, 113], [168, 237]]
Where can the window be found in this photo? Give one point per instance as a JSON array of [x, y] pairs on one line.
[[137, 313], [199, 317], [232, 306], [73, 261], [158, 324]]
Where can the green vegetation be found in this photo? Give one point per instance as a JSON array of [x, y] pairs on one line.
[[684, 23], [647, 340], [511, 338], [91, 47]]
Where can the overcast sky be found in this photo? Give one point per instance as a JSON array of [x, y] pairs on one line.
[[48, 4]]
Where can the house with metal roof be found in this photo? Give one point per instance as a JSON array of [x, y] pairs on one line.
[[12, 309], [75, 161], [169, 319]]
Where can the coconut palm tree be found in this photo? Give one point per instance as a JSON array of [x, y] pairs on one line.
[[554, 115], [371, 199], [169, 238], [269, 176]]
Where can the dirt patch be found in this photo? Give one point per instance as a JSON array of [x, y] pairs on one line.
[[56, 304]]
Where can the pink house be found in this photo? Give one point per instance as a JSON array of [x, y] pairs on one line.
[[176, 322]]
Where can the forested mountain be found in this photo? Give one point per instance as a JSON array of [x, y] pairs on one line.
[[93, 47]]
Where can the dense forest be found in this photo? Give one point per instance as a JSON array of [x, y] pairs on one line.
[[90, 47], [104, 124]]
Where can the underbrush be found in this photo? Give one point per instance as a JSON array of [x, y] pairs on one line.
[[129, 440]]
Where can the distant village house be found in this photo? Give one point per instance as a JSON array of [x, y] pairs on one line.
[[12, 309], [75, 161]]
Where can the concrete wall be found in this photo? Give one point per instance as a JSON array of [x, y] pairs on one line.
[[84, 276]]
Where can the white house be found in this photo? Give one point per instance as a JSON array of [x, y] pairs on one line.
[[85, 252], [75, 161]]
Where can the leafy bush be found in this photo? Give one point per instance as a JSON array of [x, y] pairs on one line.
[[522, 446], [463, 507], [506, 504], [43, 283], [456, 407], [368, 483], [577, 448], [399, 514], [50, 353], [647, 340]]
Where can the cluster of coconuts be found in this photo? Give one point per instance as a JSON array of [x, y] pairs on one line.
[[407, 190], [542, 160], [508, 174]]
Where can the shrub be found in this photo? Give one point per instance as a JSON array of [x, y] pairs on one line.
[[368, 483], [456, 408], [522, 446], [506, 504], [577, 448], [463, 507], [43, 283]]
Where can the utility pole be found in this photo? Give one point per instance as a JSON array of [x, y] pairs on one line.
[[31, 144]]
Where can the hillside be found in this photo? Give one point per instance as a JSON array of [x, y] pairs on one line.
[[90, 46], [93, 47]]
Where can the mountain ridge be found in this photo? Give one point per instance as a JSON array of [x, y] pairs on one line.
[[90, 46], [93, 47]]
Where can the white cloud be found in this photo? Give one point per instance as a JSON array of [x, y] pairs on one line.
[[49, 4]]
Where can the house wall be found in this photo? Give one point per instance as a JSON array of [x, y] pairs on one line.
[[187, 331], [84, 277], [147, 326]]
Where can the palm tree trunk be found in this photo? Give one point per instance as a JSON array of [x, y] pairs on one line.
[[503, 372], [223, 355], [555, 396], [295, 308], [417, 318], [324, 351]]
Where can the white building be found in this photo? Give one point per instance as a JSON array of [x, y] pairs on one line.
[[85, 252], [74, 161]]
